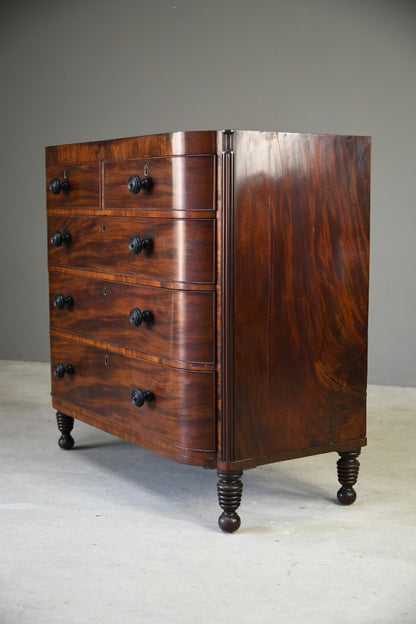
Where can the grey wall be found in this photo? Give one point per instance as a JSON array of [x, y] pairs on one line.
[[97, 69]]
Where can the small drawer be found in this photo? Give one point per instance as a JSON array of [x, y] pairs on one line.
[[169, 405], [175, 183], [172, 324], [73, 186], [179, 250]]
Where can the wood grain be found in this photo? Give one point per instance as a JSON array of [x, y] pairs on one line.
[[165, 144], [178, 183], [182, 249], [300, 292], [182, 326], [257, 274], [84, 186], [181, 413]]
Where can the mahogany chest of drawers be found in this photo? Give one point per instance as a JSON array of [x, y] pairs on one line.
[[209, 294]]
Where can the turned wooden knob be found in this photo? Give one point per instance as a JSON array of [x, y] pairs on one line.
[[135, 183], [60, 301], [57, 238], [138, 397], [56, 186], [137, 244], [60, 370], [137, 317]]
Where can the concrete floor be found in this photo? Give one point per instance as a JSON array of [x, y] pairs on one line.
[[110, 533]]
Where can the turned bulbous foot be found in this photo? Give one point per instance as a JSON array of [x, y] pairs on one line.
[[230, 489], [348, 467], [229, 522], [65, 426], [66, 442], [346, 496]]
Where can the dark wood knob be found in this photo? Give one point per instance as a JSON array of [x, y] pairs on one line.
[[138, 397], [56, 186], [136, 244], [60, 301], [57, 238], [135, 183], [137, 317], [60, 370]]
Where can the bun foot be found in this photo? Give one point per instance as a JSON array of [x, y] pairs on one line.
[[229, 488], [348, 467], [65, 426], [229, 522], [66, 442], [346, 496]]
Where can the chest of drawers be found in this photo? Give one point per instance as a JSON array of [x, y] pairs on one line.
[[209, 294]]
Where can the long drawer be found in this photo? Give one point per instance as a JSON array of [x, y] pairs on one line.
[[180, 250], [173, 324], [172, 405]]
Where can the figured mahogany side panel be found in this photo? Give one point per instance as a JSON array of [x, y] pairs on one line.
[[83, 186], [179, 324], [176, 183], [180, 411], [301, 236], [166, 144], [181, 250]]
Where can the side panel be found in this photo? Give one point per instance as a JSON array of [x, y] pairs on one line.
[[300, 282]]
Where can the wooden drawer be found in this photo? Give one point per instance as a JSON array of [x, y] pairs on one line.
[[84, 186], [182, 407], [177, 183], [181, 250], [180, 327]]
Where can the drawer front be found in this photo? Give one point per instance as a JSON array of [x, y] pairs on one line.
[[73, 186], [180, 250], [177, 183], [181, 411], [173, 324]]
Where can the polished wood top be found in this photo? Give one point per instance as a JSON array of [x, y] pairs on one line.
[[189, 142], [167, 144]]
